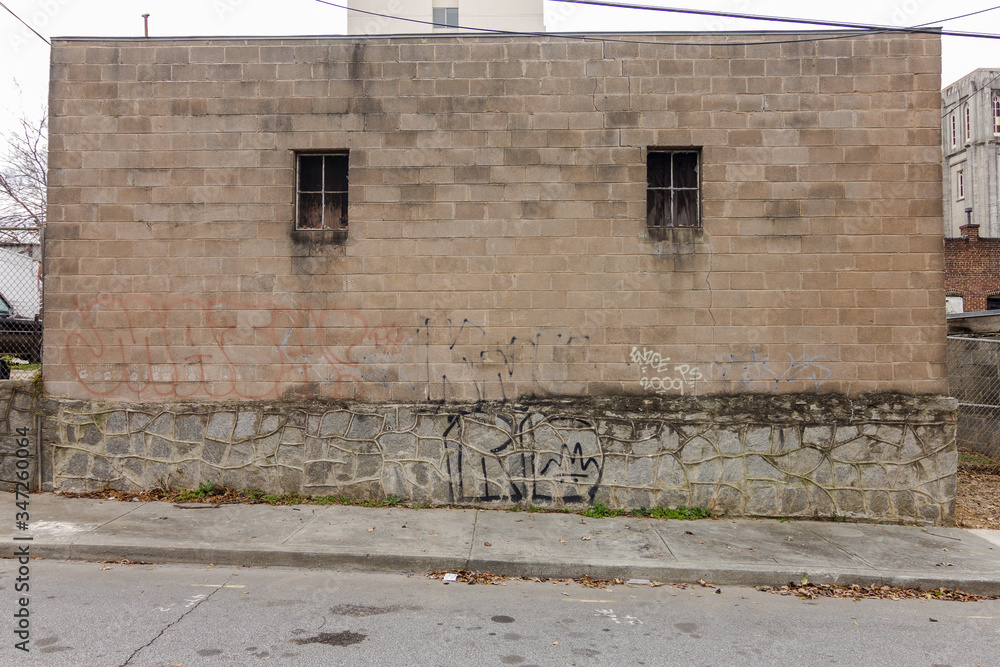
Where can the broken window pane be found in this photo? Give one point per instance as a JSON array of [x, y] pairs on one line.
[[310, 173], [686, 202], [335, 178], [672, 189], [335, 211], [658, 170], [310, 210], [685, 170], [321, 196], [657, 203]]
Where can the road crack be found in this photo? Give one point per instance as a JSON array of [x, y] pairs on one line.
[[175, 622]]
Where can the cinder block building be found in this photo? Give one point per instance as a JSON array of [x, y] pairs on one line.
[[639, 269]]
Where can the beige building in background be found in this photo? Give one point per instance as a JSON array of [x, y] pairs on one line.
[[419, 16]]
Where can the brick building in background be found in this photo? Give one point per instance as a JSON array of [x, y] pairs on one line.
[[482, 269], [972, 270]]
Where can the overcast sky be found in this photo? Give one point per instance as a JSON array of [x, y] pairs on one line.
[[25, 57]]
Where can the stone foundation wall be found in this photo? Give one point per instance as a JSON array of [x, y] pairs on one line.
[[17, 432], [882, 457]]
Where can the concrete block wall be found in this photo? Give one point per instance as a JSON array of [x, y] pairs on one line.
[[497, 245]]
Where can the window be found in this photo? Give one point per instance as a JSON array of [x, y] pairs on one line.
[[954, 131], [993, 302], [954, 304], [445, 17], [968, 123], [996, 113], [672, 197], [321, 191], [960, 184]]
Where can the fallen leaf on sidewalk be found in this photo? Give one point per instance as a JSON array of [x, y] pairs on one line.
[[585, 539], [487, 544], [371, 529]]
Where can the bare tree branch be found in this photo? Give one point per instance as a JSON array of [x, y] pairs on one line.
[[23, 181]]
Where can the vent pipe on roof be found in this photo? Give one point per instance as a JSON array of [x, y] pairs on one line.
[[145, 21]]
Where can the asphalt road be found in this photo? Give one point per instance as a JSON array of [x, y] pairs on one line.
[[96, 614]]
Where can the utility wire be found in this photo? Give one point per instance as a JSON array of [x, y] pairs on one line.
[[586, 38], [982, 88], [25, 24], [955, 18], [783, 19]]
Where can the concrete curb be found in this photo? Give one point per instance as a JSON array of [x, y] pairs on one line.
[[731, 575]]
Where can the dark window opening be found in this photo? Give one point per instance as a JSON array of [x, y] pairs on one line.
[[672, 189], [321, 191], [993, 302], [445, 17]]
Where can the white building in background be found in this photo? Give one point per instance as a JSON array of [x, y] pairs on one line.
[[971, 141], [512, 15], [19, 282]]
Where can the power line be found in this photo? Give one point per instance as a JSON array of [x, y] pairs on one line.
[[783, 19], [586, 38], [968, 100], [25, 24], [962, 16]]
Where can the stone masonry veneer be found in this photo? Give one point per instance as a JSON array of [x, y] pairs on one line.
[[18, 409], [884, 457]]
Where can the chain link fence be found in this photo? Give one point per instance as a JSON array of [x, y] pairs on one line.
[[974, 378], [20, 310]]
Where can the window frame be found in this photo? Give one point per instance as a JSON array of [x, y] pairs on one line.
[[960, 184], [954, 131], [951, 304], [344, 222], [444, 24], [996, 112], [672, 187]]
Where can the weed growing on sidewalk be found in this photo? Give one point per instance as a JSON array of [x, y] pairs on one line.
[[215, 494], [203, 491]]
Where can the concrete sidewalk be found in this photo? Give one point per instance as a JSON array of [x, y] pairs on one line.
[[720, 551]]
